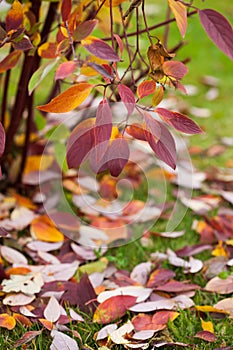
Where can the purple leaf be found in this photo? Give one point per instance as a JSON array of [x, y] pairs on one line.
[[179, 121], [164, 148], [84, 29], [100, 49], [118, 155], [218, 29], [127, 97]]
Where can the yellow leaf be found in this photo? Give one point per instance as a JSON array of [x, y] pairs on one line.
[[209, 308], [180, 12], [220, 250], [42, 228], [207, 326], [68, 100], [114, 2], [7, 321], [158, 96], [229, 242], [38, 162]]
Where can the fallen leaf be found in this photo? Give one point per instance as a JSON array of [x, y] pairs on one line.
[[42, 228], [52, 310], [7, 321], [221, 286], [207, 326], [62, 341], [113, 308], [28, 284], [12, 255], [27, 337], [117, 336], [139, 292], [207, 336], [225, 305], [15, 299]]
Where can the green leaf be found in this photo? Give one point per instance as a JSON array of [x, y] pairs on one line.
[[39, 75], [60, 155]]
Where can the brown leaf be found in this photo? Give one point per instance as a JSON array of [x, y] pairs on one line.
[[27, 337], [10, 61], [14, 18]]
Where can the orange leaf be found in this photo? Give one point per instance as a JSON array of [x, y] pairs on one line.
[[46, 323], [24, 201], [43, 229], [10, 61], [146, 88], [158, 96], [68, 100], [180, 12], [14, 18], [48, 50], [7, 321], [18, 271], [22, 319]]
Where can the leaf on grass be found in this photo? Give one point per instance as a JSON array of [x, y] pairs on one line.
[[127, 98], [113, 308], [20, 299], [10, 61], [52, 310], [62, 341], [209, 308], [207, 326], [27, 337], [69, 99], [23, 320], [100, 49], [207, 336], [12, 255], [226, 305], [7, 321], [177, 286], [159, 277], [146, 88], [219, 285], [119, 335], [218, 29], [84, 29], [179, 121], [150, 306], [180, 12], [28, 284], [139, 292], [14, 18], [42, 228]]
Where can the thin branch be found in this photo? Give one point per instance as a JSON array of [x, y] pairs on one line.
[[156, 26], [145, 22], [167, 27]]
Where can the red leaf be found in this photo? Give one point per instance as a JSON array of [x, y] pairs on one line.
[[102, 133], [80, 143], [159, 277], [27, 337], [118, 155], [24, 44], [10, 61], [99, 48], [119, 42], [218, 29], [165, 148], [84, 29], [152, 125], [113, 308], [176, 287], [206, 335], [66, 9], [65, 69], [179, 121], [48, 50], [14, 18], [2, 139], [175, 69], [146, 88], [127, 97]]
